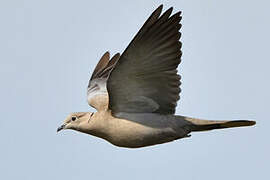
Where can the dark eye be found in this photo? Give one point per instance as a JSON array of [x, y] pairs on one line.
[[73, 118]]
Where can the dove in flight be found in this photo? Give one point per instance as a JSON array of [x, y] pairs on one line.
[[136, 93]]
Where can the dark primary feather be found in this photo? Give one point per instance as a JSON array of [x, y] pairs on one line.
[[145, 77]]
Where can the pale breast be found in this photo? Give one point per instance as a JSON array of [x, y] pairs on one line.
[[126, 133]]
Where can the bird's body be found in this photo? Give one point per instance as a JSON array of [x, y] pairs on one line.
[[138, 130], [136, 94], [135, 130]]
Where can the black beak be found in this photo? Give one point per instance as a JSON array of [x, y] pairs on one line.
[[60, 128]]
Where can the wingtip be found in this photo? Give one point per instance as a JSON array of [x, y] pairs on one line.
[[169, 11], [178, 13], [107, 53], [159, 9]]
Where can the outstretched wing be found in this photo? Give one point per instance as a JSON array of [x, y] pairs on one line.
[[145, 79], [97, 94]]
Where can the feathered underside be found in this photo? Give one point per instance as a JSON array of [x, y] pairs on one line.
[[97, 94]]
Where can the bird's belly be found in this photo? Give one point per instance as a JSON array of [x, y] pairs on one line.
[[130, 134]]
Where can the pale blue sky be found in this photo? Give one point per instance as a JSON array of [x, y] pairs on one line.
[[48, 49]]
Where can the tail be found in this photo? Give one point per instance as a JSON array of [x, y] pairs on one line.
[[205, 125]]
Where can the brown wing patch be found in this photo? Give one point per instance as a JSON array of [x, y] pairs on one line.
[[105, 65]]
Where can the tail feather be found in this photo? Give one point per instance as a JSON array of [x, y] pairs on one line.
[[205, 125]]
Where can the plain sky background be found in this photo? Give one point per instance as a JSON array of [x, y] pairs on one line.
[[49, 48]]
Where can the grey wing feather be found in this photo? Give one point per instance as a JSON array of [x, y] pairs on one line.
[[97, 90], [145, 78]]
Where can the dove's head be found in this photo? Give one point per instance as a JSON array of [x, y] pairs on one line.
[[76, 121]]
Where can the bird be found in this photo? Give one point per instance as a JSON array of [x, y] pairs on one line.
[[136, 93]]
